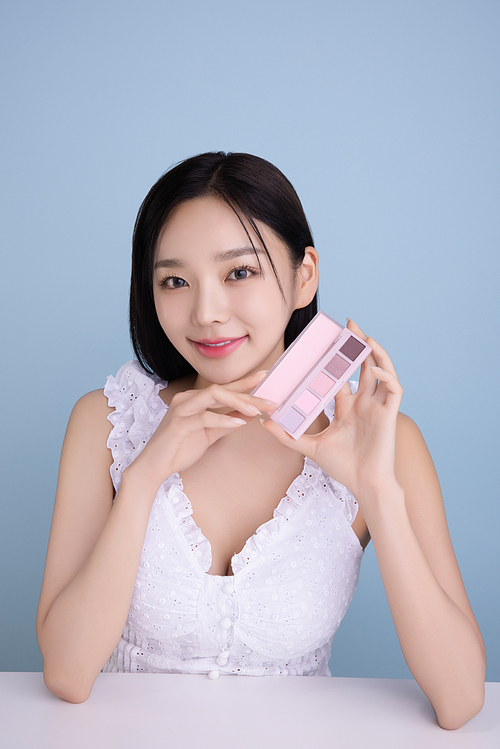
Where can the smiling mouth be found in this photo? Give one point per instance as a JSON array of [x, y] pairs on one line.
[[218, 347]]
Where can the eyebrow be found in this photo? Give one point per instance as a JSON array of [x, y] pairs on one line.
[[220, 257]]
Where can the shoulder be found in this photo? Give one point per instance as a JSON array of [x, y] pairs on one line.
[[413, 460], [85, 443], [407, 427], [90, 415], [416, 474], [92, 404], [407, 432]]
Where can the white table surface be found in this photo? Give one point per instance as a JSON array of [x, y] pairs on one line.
[[181, 712]]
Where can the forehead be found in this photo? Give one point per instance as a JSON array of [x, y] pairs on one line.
[[202, 222], [210, 227]]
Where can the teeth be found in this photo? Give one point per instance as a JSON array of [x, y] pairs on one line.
[[217, 344]]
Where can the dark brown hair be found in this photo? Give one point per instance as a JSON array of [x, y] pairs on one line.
[[257, 191]]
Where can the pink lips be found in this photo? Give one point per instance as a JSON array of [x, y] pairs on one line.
[[217, 348]]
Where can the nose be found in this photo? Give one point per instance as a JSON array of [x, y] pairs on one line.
[[210, 305]]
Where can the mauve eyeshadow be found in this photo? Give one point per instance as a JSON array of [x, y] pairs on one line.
[[352, 348], [337, 366]]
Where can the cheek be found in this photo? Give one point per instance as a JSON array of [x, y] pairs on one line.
[[171, 316], [258, 310], [263, 301]]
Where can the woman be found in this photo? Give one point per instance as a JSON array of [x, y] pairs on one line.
[[236, 579]]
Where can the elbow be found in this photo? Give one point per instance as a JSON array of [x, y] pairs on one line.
[[458, 712], [66, 688]]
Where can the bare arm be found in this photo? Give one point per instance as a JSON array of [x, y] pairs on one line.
[[438, 633], [92, 559], [382, 458], [95, 545]]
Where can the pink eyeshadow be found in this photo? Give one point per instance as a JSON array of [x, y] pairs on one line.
[[322, 384], [307, 402]]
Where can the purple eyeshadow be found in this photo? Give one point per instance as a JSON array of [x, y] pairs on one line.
[[352, 348], [292, 420], [337, 366]]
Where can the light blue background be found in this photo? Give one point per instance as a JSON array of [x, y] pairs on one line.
[[384, 115]]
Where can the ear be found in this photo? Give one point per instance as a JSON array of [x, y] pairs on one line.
[[307, 278]]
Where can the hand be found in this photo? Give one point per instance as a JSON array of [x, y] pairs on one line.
[[357, 449], [191, 425]]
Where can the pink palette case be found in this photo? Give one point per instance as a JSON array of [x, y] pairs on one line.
[[310, 372]]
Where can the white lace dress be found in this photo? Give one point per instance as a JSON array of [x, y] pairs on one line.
[[292, 582]]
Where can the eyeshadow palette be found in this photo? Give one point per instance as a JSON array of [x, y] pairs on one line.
[[310, 372]]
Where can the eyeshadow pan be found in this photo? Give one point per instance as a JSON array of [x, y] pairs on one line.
[[295, 364], [307, 402], [310, 372], [322, 384], [352, 348], [292, 419], [337, 366]]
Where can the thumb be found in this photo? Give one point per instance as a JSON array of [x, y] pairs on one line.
[[305, 445]]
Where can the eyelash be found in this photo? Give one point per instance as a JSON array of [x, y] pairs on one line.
[[251, 272]]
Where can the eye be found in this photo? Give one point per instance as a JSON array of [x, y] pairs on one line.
[[241, 273], [173, 282]]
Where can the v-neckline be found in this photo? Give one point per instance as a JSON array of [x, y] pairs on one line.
[[252, 543], [267, 525]]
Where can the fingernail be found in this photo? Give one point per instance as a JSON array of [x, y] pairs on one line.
[[254, 409], [239, 422], [271, 403]]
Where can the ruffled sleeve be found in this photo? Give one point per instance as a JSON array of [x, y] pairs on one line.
[[133, 393]]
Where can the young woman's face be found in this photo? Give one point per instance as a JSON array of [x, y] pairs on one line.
[[224, 314]]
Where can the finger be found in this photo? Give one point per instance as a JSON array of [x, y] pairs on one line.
[[344, 391], [382, 357], [306, 445], [354, 328], [246, 383], [215, 397], [208, 420], [377, 357], [249, 383], [392, 386], [211, 420]]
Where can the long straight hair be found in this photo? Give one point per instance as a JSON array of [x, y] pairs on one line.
[[256, 191]]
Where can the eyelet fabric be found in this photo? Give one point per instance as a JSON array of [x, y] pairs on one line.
[[291, 585]]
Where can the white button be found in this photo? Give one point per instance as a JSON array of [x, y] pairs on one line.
[[222, 658], [227, 588], [225, 623], [214, 674]]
